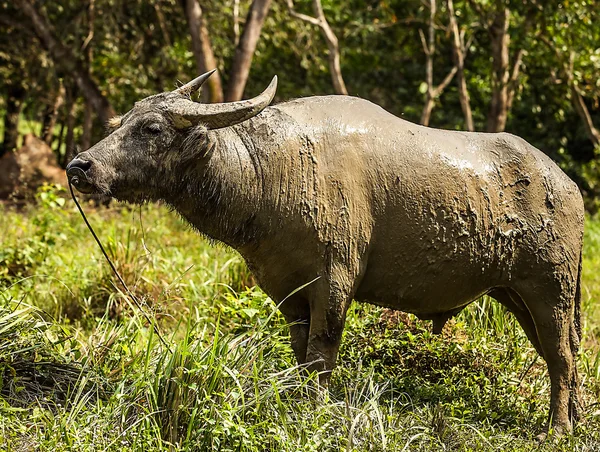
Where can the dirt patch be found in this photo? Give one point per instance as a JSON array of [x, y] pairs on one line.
[[22, 172]]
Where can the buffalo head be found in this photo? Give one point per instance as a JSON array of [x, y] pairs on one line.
[[148, 145]]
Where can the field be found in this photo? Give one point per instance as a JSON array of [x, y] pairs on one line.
[[82, 368]]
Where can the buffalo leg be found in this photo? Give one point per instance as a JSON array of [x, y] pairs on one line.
[[553, 315], [328, 310], [297, 314], [299, 336]]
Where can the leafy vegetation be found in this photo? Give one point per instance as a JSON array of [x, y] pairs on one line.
[[543, 58], [83, 370]]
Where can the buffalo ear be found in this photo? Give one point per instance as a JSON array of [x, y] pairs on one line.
[[114, 122], [179, 121], [197, 143]]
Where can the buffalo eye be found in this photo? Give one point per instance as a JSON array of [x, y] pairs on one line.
[[153, 128]]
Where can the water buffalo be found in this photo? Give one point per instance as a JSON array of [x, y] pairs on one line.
[[370, 207]]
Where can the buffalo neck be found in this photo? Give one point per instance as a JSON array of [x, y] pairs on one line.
[[221, 192]]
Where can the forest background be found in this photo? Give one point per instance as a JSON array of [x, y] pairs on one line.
[[528, 67]]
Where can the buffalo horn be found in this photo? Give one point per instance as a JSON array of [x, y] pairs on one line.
[[216, 116], [194, 85]]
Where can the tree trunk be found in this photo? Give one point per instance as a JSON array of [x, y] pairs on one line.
[[64, 58], [458, 52], [203, 53], [52, 115], [576, 96], [88, 123], [427, 109], [236, 22], [334, 50], [244, 52], [429, 48], [161, 22], [70, 150], [61, 139], [583, 112], [14, 105], [500, 44]]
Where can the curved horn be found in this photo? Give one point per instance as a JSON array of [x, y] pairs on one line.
[[194, 85], [216, 116]]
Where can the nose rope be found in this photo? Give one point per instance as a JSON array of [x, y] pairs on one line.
[[135, 300]]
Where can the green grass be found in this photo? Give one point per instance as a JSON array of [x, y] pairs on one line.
[[81, 368]]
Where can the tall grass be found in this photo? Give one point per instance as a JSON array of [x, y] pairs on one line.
[[81, 369]]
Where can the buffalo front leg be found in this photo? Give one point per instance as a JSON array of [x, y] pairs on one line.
[[328, 307], [296, 311], [299, 330]]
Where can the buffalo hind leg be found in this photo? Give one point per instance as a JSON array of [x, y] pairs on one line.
[[552, 311]]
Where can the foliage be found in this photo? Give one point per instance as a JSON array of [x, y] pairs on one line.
[[228, 379], [141, 48]]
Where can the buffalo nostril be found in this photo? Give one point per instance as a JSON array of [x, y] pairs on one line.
[[77, 174], [79, 164]]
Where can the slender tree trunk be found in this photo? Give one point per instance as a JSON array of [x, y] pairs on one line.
[[88, 118], [88, 125], [500, 44], [504, 77], [244, 52], [427, 109], [513, 81], [14, 105], [52, 115], [64, 58], [331, 39], [429, 49], [236, 22], [61, 139], [334, 50], [433, 92], [459, 51], [583, 112], [576, 96], [163, 26], [203, 53], [70, 149]]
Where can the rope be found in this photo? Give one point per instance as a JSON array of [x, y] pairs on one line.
[[116, 272]]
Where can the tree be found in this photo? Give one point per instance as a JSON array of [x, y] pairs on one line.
[[13, 107], [20, 66], [64, 58], [203, 53], [244, 51], [52, 114], [432, 92], [573, 47], [504, 80], [331, 39], [459, 51]]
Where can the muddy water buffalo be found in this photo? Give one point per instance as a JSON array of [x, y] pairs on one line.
[[371, 207]]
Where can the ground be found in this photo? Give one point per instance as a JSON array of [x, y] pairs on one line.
[[83, 369]]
